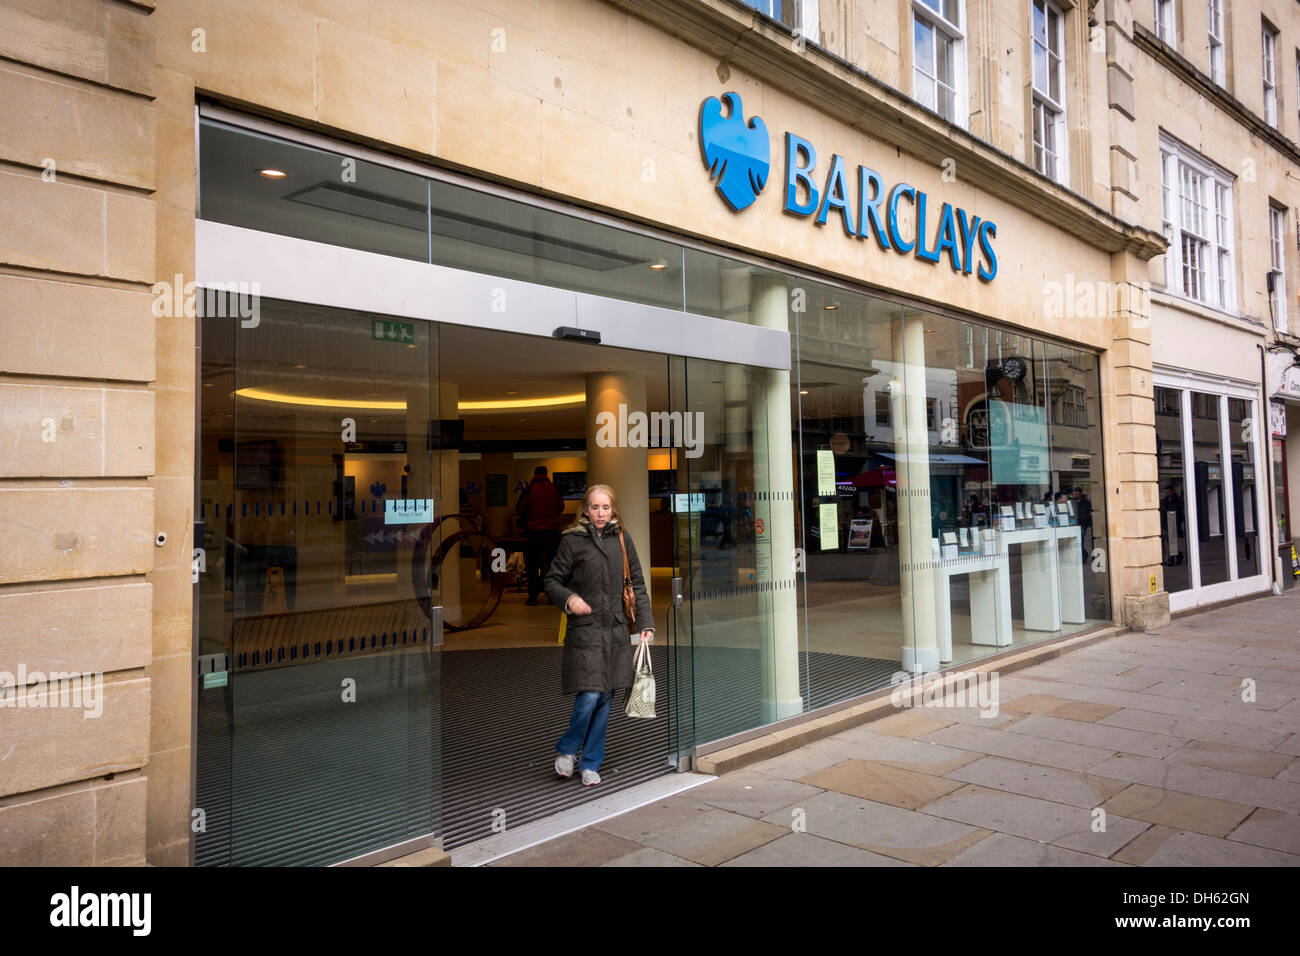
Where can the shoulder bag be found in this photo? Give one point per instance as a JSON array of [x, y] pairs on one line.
[[629, 594]]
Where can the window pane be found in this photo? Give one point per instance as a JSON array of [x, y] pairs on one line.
[[1211, 488], [1173, 511], [948, 103], [923, 36], [925, 90], [1246, 485], [946, 68]]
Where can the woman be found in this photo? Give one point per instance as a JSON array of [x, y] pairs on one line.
[[586, 580]]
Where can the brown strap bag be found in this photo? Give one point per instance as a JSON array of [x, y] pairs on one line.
[[629, 595]]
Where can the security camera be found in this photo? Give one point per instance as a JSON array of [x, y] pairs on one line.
[[161, 539]]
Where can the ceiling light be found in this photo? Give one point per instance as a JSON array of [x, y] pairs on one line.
[[578, 398], [832, 307], [803, 391], [270, 173], [283, 398], [659, 264]]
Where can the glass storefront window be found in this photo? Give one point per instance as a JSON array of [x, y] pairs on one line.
[[916, 491], [1211, 505], [1246, 485], [1173, 485]]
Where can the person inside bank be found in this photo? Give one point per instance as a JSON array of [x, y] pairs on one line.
[[586, 580], [538, 514]]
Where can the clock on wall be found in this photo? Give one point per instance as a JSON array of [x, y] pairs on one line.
[[1014, 368]]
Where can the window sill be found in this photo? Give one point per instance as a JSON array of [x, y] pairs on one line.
[[1208, 312]]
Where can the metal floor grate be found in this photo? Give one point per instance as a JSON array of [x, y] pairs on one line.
[[306, 768]]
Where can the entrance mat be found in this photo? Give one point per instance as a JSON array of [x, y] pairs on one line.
[[502, 712], [311, 772]]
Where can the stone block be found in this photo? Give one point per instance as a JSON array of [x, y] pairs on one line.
[[99, 628], [1137, 467], [1146, 612], [171, 800], [1139, 495], [81, 331], [1119, 92], [68, 431], [58, 533], [375, 88], [89, 39], [50, 741], [251, 50], [68, 227], [1130, 380], [512, 149], [93, 133], [1137, 409], [169, 708]]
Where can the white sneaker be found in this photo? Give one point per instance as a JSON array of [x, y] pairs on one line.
[[590, 778], [564, 765]]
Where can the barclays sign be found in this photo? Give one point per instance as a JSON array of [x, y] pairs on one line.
[[738, 156]]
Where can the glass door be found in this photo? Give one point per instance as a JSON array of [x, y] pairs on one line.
[[733, 514], [319, 478]]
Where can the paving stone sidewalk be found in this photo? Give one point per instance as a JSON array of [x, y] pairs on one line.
[[1147, 734]]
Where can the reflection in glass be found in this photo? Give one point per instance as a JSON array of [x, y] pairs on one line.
[[1173, 512], [1211, 489], [1246, 485], [321, 477]]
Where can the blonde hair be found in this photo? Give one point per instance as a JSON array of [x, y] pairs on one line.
[[613, 503]]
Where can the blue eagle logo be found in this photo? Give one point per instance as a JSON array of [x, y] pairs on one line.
[[737, 153]]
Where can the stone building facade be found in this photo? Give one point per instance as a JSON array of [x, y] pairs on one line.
[[1053, 120]]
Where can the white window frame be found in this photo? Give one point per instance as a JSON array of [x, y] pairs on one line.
[[1277, 262], [1268, 70], [1053, 110], [1220, 390], [1164, 22], [1217, 63], [1197, 208], [956, 33], [806, 11]]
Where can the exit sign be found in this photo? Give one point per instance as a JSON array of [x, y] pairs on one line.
[[382, 330]]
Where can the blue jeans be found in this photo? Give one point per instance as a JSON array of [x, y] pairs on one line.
[[587, 729]]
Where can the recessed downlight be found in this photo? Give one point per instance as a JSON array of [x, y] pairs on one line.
[[269, 172]]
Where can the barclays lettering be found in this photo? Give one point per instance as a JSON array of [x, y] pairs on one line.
[[737, 154]]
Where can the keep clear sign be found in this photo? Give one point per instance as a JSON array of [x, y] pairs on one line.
[[828, 514]]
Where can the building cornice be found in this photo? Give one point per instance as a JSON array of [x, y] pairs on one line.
[[1183, 68], [752, 42]]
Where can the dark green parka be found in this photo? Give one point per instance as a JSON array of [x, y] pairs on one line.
[[597, 647]]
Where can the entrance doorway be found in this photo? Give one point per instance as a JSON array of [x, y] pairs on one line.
[[370, 672], [522, 404]]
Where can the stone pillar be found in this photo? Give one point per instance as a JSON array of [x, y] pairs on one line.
[[920, 652], [774, 479], [625, 469], [1132, 485], [1120, 53]]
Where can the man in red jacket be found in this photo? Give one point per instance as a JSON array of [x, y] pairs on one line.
[[539, 508]]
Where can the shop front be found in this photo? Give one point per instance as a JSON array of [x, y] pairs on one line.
[[834, 486]]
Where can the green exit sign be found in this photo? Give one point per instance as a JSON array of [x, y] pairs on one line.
[[382, 330]]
